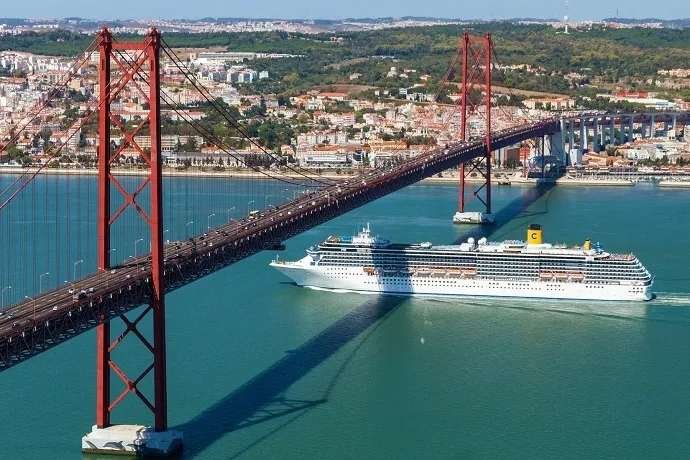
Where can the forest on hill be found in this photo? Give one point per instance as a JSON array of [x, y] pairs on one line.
[[596, 54]]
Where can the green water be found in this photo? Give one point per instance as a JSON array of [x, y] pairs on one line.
[[259, 368]]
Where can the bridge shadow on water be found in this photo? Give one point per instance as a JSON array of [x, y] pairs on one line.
[[262, 399]]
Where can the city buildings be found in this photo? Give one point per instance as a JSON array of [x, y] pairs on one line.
[[330, 128]]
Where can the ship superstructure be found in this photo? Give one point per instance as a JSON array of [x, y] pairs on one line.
[[365, 262]]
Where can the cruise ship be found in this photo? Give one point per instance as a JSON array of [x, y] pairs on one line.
[[534, 269]]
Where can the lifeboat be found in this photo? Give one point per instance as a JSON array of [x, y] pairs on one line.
[[454, 273], [468, 273], [562, 276]]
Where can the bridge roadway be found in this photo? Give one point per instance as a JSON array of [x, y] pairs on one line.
[[35, 325]]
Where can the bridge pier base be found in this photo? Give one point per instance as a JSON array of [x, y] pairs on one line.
[[132, 440]]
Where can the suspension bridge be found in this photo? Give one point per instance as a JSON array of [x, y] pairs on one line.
[[51, 232]]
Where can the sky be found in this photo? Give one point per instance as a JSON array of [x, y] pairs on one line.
[[338, 9]]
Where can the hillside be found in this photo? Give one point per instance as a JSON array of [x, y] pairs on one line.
[[625, 56]]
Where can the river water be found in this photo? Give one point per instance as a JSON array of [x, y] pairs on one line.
[[259, 368]]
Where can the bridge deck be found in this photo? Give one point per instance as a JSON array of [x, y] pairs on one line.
[[34, 326]]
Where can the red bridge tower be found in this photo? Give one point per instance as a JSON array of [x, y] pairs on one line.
[[475, 62], [137, 65]]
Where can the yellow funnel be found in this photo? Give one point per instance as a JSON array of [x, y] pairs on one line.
[[534, 234], [588, 245]]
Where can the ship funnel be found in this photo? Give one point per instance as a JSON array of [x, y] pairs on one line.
[[534, 234], [588, 245]]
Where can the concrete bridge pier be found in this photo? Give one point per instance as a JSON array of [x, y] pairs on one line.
[[556, 145], [559, 136], [674, 121], [584, 134]]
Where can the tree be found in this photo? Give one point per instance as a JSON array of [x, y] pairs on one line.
[[284, 101], [190, 145], [14, 152], [45, 135], [273, 134], [257, 111]]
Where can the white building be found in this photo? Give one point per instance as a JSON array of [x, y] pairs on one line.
[[636, 154], [322, 137], [235, 75]]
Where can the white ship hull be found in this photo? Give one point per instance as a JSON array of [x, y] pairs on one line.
[[356, 279]]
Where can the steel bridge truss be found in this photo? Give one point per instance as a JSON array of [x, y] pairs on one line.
[[124, 288]]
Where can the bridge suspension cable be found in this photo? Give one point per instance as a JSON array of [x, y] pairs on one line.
[[35, 112], [215, 140], [23, 181], [45, 218], [203, 91], [512, 94], [50, 95]]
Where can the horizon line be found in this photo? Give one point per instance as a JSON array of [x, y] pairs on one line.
[[344, 19]]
